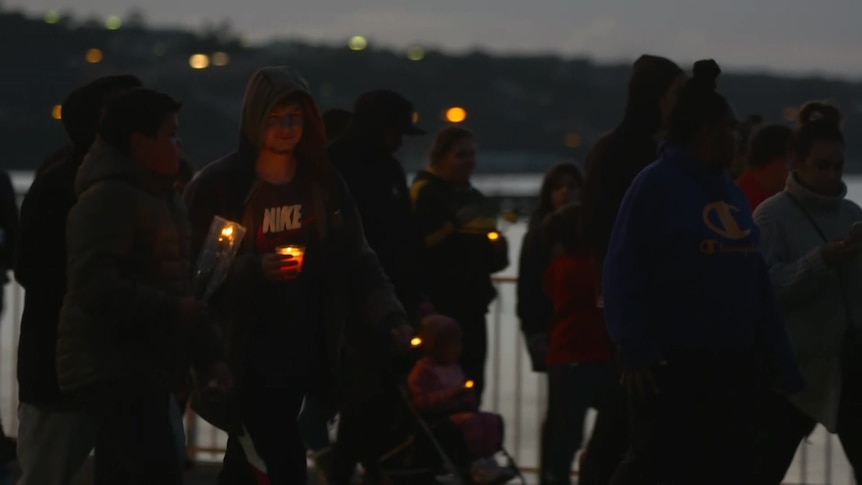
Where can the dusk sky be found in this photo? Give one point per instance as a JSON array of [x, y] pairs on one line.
[[790, 36]]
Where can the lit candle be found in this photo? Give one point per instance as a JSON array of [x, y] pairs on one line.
[[493, 236], [292, 250], [226, 233], [469, 384], [415, 341]]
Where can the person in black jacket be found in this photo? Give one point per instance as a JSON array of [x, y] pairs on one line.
[[8, 231], [462, 245], [49, 430], [612, 164], [364, 155], [335, 122]]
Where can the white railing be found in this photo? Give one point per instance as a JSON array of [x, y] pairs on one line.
[[513, 390]]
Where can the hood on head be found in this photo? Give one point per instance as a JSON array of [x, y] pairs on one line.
[[265, 90], [651, 77], [82, 108]]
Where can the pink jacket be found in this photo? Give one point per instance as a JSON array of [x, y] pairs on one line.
[[439, 390]]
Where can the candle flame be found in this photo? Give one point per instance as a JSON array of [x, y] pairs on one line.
[[227, 231], [415, 341], [290, 250], [493, 236], [469, 385]]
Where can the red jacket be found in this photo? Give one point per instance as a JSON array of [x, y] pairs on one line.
[[578, 331], [749, 186]]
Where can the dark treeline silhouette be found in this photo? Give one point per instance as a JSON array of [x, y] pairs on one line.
[[527, 112]]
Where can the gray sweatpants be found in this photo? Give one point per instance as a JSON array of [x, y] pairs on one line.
[[52, 446]]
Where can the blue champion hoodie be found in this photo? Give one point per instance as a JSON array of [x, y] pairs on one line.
[[684, 269]]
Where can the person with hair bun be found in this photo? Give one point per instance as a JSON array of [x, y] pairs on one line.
[[812, 239], [689, 303]]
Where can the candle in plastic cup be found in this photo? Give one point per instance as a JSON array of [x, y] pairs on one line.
[[469, 385], [226, 233], [298, 252]]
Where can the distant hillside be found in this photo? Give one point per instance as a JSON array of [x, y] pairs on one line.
[[528, 112]]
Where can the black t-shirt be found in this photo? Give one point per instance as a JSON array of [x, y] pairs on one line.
[[285, 329]]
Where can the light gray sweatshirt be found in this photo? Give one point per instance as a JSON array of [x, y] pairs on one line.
[[809, 292]]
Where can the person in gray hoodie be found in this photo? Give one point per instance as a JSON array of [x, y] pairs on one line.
[[812, 243], [286, 319]]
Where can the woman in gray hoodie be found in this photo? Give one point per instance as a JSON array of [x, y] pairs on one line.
[[812, 245]]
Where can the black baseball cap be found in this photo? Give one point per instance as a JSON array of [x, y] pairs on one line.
[[385, 108]]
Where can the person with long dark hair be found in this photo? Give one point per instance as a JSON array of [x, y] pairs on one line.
[[689, 303], [579, 358], [812, 243], [562, 185]]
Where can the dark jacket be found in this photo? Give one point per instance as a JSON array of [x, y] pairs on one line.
[[40, 267], [617, 157], [379, 187], [458, 257], [8, 226], [40, 257], [677, 280], [128, 267], [357, 298], [534, 306]]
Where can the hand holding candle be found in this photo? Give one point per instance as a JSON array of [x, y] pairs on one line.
[[296, 252], [284, 265]]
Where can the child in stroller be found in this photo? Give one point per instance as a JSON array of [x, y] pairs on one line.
[[441, 394]]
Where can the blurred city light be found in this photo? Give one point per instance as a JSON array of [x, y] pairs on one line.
[[113, 23], [357, 43], [199, 61], [573, 140], [456, 114], [52, 17], [416, 53], [94, 56], [220, 59], [57, 112]]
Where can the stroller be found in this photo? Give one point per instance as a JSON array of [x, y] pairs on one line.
[[419, 453]]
